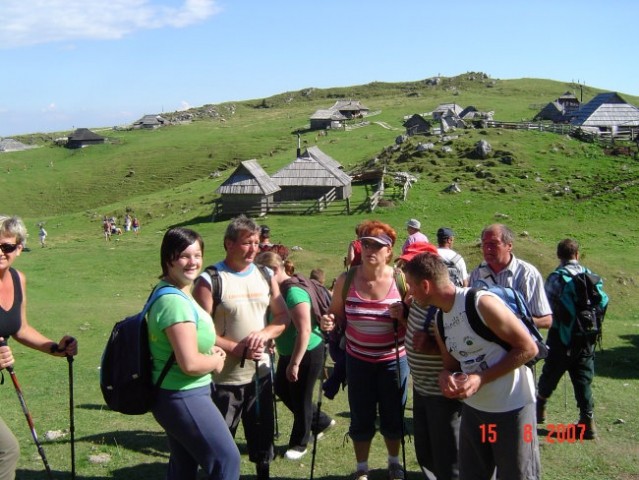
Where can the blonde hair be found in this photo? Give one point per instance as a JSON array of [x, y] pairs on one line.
[[269, 259]]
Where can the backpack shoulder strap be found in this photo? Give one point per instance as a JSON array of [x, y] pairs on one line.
[[216, 285], [350, 275], [440, 325], [400, 281], [164, 290], [475, 322]]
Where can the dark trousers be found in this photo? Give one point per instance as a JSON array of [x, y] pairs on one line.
[[436, 422], [239, 402], [579, 362], [197, 435], [298, 396]]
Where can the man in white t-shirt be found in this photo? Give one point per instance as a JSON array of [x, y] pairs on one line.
[[454, 261], [498, 425]]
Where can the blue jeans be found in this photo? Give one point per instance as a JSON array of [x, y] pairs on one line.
[[198, 435], [371, 385]]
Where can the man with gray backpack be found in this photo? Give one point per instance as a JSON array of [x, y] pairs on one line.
[[453, 260], [579, 305]]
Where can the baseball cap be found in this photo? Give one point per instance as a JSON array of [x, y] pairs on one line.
[[414, 223], [445, 232], [416, 248]]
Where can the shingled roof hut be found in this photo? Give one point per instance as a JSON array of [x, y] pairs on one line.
[[606, 112], [83, 137], [248, 190], [310, 176]]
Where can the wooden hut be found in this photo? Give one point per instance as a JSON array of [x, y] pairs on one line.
[[150, 122], [607, 112], [323, 119], [248, 190], [310, 176], [83, 137], [416, 125]]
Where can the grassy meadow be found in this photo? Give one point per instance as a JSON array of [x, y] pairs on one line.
[[80, 284]]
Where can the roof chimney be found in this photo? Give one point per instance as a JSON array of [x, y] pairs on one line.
[[299, 146]]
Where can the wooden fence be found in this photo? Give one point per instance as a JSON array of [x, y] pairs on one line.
[[628, 134]]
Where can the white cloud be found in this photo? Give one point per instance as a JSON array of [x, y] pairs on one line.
[[45, 21], [184, 105], [50, 108]]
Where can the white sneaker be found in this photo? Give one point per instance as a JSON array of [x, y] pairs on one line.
[[326, 429], [295, 453]]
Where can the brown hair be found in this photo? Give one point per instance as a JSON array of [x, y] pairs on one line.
[[428, 266], [567, 249]]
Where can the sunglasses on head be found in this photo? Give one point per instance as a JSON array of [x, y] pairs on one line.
[[8, 247]]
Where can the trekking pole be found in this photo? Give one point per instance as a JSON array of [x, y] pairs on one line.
[[71, 414], [25, 410], [399, 391], [277, 427], [316, 416]]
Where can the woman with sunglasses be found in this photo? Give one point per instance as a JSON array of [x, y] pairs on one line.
[[13, 323], [372, 335]]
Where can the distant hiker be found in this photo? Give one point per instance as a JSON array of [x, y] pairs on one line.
[[127, 222], [413, 227], [106, 228], [265, 244], [354, 253], [135, 223], [14, 325], [501, 267], [453, 260], [43, 235], [238, 294], [571, 343]]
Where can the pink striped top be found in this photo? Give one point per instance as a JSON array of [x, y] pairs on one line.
[[370, 335]]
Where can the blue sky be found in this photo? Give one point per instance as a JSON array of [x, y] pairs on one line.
[[97, 63]]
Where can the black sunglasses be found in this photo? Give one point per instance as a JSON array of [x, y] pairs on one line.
[[8, 247]]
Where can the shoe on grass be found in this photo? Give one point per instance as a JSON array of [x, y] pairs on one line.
[[395, 472], [360, 475], [326, 429], [295, 453]]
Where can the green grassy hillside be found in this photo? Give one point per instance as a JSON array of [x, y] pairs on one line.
[[553, 187]]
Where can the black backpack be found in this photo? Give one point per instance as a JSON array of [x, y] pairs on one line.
[[126, 365], [582, 300], [516, 303], [320, 296]]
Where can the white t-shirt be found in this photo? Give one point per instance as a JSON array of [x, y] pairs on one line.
[[475, 354]]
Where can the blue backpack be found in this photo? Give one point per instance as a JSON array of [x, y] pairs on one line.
[[513, 300], [126, 366]]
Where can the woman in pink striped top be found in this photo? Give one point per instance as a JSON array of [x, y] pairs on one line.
[[371, 361]]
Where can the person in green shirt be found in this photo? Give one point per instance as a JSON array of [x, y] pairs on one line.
[[197, 433], [301, 359]]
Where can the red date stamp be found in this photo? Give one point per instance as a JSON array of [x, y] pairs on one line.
[[570, 433], [557, 433]]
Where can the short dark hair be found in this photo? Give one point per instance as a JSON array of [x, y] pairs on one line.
[[175, 241], [567, 249], [428, 266]]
